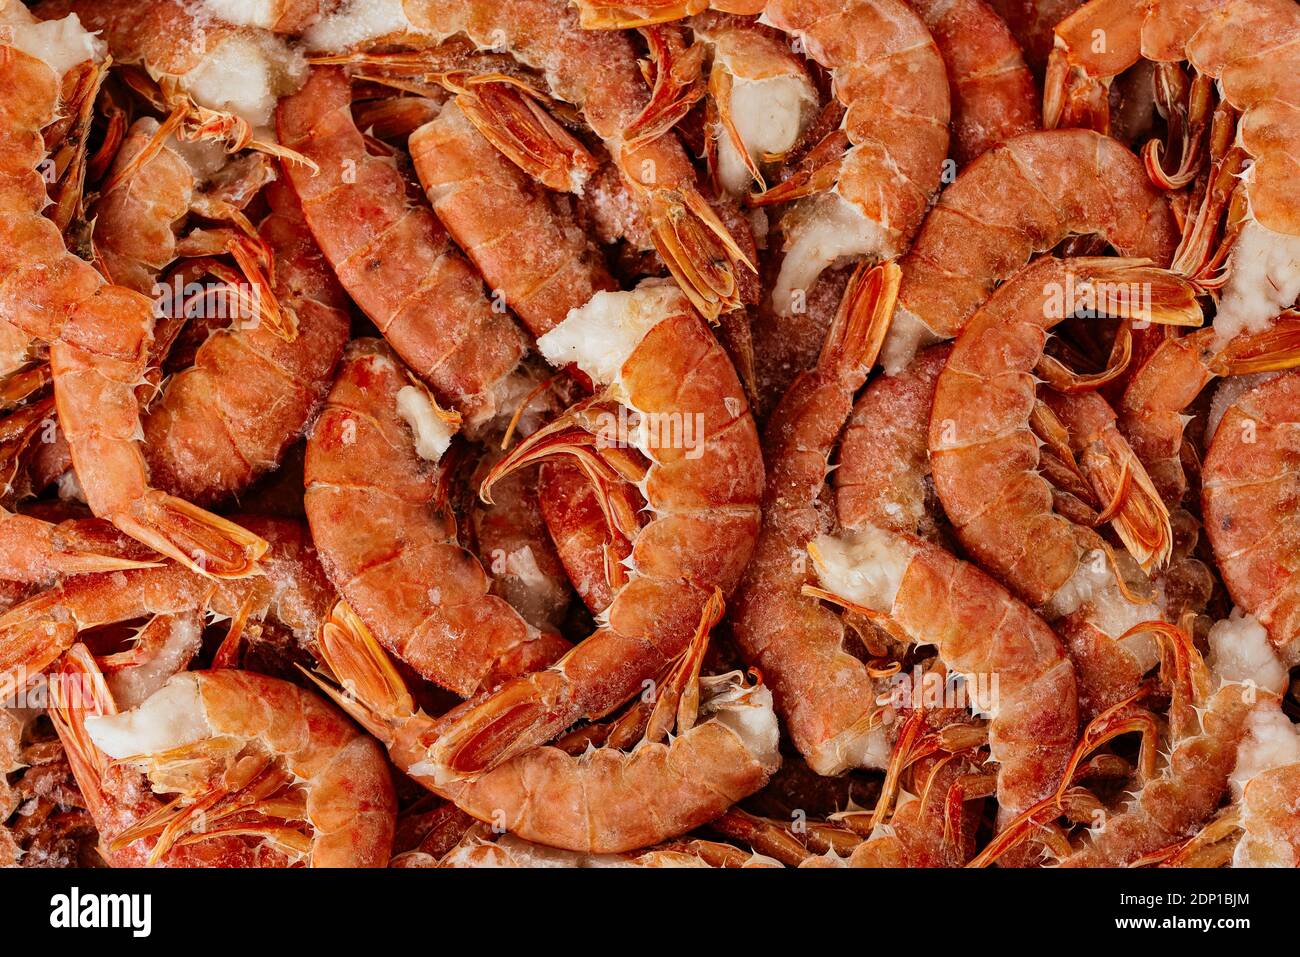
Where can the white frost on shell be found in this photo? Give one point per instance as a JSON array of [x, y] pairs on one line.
[[522, 565], [1271, 741], [244, 13], [748, 713], [601, 336], [906, 337], [356, 22], [818, 233], [1226, 395], [60, 44], [69, 488], [172, 717], [852, 749], [769, 115], [246, 75], [433, 433], [1240, 651], [1094, 589], [1263, 280], [865, 566]]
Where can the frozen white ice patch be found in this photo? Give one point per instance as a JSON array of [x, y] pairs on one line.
[[1226, 395], [907, 335], [433, 429], [1263, 280], [601, 336], [748, 713], [865, 566], [1271, 741], [170, 718], [245, 13], [819, 233], [1240, 651], [850, 749], [356, 22], [768, 114], [134, 685], [61, 44], [245, 75]]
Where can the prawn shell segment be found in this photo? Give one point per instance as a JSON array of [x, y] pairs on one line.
[[1250, 494], [1021, 198], [388, 540], [392, 256], [348, 791]]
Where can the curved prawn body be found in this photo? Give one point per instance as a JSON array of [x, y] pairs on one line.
[[597, 72], [290, 587], [1158, 394], [1250, 48], [265, 773], [1010, 505], [883, 477], [392, 257], [227, 420], [983, 447], [605, 800], [155, 181], [654, 357], [531, 254], [863, 190], [1248, 497], [426, 597], [536, 259], [1019, 199], [994, 96], [869, 185], [1017, 672], [1181, 797], [119, 797], [100, 337], [826, 696], [1212, 714], [147, 196]]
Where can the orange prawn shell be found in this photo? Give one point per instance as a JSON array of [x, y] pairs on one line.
[[704, 503], [1023, 197], [389, 542], [135, 221], [529, 252], [607, 801], [1034, 727], [393, 257], [350, 800], [1249, 46], [215, 430], [1249, 498]]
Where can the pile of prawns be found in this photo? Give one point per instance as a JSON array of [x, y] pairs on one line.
[[723, 433]]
